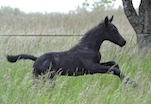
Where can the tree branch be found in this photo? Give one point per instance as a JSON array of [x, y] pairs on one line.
[[131, 14], [142, 8], [147, 6], [142, 14]]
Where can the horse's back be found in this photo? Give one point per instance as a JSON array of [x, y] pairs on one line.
[[67, 62]]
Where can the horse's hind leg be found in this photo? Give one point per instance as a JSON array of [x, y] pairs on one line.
[[50, 77], [52, 74], [35, 76]]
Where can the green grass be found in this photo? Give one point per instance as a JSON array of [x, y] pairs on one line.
[[16, 82]]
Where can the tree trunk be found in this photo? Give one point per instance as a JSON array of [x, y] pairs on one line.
[[140, 22]]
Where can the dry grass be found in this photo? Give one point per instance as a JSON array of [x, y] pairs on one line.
[[16, 79], [60, 23]]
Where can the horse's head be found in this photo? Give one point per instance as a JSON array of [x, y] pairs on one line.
[[111, 33]]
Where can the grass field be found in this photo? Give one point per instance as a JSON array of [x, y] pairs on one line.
[[16, 82]]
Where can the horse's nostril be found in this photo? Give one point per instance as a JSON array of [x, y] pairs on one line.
[[123, 43]]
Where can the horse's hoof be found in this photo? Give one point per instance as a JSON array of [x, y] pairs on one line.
[[127, 80]]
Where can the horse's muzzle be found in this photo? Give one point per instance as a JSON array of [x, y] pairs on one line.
[[123, 43]]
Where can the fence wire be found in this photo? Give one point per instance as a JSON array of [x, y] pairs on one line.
[[41, 35], [56, 35]]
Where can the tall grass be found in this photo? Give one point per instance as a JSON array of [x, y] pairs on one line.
[[16, 79]]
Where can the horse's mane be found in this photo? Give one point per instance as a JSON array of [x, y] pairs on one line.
[[89, 34]]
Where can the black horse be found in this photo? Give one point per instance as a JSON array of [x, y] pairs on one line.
[[84, 58]]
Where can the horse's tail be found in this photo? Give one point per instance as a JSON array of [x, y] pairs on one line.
[[14, 58]]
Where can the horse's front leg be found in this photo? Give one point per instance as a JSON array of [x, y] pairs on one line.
[[114, 68], [111, 64], [93, 68], [125, 79]]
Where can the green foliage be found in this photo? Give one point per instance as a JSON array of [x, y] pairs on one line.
[[17, 83], [85, 4], [18, 87], [98, 4], [11, 11]]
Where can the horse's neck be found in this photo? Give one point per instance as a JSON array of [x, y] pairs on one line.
[[93, 41]]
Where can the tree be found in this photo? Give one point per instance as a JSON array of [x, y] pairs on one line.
[[98, 4], [140, 22]]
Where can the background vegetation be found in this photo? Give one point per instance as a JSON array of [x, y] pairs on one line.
[[16, 79]]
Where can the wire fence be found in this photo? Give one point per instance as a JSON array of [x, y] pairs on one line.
[[58, 35], [41, 35]]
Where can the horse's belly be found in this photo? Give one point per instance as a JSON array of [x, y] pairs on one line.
[[69, 67], [72, 72]]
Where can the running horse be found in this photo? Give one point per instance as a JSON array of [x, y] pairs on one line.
[[82, 59]]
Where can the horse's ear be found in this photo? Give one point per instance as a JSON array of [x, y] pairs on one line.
[[111, 19], [106, 21]]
